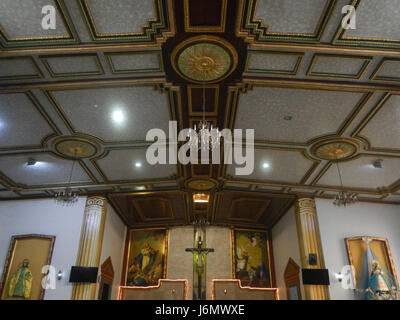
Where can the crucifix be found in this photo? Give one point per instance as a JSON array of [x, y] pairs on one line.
[[198, 264]]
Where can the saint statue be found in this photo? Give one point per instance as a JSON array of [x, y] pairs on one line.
[[21, 282], [379, 284], [375, 281]]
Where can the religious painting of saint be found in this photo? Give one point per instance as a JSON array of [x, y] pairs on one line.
[[251, 261], [22, 275], [147, 256]]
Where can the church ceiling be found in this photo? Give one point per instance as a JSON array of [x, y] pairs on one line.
[[289, 70]]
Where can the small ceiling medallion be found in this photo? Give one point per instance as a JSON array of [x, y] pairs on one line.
[[75, 147], [201, 184], [204, 59], [335, 149]]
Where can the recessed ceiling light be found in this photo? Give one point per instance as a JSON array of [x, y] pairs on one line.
[[118, 116], [265, 165], [96, 106], [377, 163], [288, 118], [138, 164], [31, 162]]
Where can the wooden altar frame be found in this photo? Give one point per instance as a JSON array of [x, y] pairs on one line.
[[239, 283], [160, 281]]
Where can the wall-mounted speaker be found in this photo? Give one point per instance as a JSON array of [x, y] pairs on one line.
[[315, 276]]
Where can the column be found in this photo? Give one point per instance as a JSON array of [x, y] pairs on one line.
[[90, 244], [310, 242]]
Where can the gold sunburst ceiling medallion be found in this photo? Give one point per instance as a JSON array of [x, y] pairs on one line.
[[204, 59], [335, 149]]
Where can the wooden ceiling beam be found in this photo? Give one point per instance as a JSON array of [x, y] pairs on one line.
[[325, 48], [79, 49], [321, 84], [82, 84]]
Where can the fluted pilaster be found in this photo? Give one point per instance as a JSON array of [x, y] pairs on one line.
[[90, 244], [310, 242]]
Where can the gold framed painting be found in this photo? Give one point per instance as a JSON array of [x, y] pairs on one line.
[[22, 275], [251, 261], [356, 247], [146, 257]]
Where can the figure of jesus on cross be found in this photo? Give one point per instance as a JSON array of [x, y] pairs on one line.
[[199, 265]]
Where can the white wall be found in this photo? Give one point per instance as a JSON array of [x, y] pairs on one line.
[[113, 246], [219, 262], [45, 217], [180, 263], [336, 224], [286, 245]]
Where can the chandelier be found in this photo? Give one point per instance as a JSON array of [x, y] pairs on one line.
[[68, 197], [343, 198], [204, 137]]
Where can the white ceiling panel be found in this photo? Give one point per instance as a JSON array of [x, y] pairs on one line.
[[92, 111], [313, 113], [121, 165]]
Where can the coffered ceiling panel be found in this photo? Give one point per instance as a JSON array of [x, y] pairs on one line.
[[285, 20], [334, 66], [18, 68], [250, 209], [388, 70], [288, 16], [134, 62], [72, 65], [265, 109], [47, 170], [376, 23], [283, 165], [383, 130], [273, 62], [123, 165], [93, 111], [21, 123], [147, 208], [361, 173], [125, 20], [21, 22], [120, 17]]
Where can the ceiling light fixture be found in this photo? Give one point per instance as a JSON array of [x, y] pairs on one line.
[[343, 198], [265, 165], [201, 198], [118, 116], [31, 162], [377, 163], [68, 197], [204, 137], [138, 164]]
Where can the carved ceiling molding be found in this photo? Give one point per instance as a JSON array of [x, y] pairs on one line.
[[156, 30], [255, 30]]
